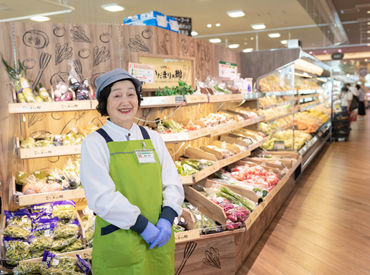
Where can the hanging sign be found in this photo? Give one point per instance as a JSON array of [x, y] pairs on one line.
[[168, 71], [143, 72], [227, 70]]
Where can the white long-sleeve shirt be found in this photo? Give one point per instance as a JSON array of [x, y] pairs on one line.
[[99, 187]]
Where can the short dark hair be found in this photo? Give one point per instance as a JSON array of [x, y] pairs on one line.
[[103, 98], [358, 86]]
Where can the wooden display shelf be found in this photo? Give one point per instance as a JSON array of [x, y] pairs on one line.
[[193, 99], [256, 145], [57, 106], [187, 180], [186, 136], [83, 253], [25, 200], [50, 151], [234, 158], [229, 127], [162, 101], [187, 236], [206, 172], [226, 97]]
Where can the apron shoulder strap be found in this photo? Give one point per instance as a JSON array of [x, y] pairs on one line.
[[104, 134], [144, 132]]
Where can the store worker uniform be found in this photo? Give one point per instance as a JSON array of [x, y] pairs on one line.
[[119, 189]]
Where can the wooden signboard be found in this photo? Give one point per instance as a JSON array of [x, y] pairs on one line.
[[169, 70]]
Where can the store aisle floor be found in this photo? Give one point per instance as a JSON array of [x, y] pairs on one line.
[[324, 227]]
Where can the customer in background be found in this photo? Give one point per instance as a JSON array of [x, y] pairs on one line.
[[345, 99], [361, 103]]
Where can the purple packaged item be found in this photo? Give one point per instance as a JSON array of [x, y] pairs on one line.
[[65, 210], [45, 226], [20, 218], [83, 265]]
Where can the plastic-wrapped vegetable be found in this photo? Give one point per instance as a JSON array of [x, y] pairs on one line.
[[27, 268], [64, 210], [20, 218], [16, 250], [40, 243], [16, 231], [63, 243], [83, 265], [66, 230], [77, 245], [44, 226], [53, 261]]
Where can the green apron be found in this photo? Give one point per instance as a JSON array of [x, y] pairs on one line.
[[125, 251]]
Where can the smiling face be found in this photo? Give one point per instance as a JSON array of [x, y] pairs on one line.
[[122, 104]]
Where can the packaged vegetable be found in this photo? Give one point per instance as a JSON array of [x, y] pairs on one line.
[[16, 231], [64, 210], [53, 261], [20, 217], [27, 268], [63, 243], [66, 230], [44, 226], [76, 245], [83, 265], [16, 250]]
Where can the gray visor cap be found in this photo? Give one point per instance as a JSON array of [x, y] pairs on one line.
[[115, 75]]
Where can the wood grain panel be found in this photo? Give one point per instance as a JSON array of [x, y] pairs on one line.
[[92, 48], [226, 55], [205, 60], [324, 227], [6, 131], [211, 256]]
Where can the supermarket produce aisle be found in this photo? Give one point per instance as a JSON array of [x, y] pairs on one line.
[[324, 227]]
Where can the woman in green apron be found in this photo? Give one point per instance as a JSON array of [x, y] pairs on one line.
[[131, 183]]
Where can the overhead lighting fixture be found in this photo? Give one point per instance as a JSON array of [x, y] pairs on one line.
[[40, 18], [215, 40], [284, 42], [235, 13], [218, 24], [112, 7], [368, 31], [368, 11], [368, 23], [209, 25], [194, 33], [248, 50], [260, 26], [274, 35], [233, 46]]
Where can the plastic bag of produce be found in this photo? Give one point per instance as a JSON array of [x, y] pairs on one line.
[[83, 265], [76, 245], [60, 244], [27, 268], [67, 230], [55, 263], [18, 224], [65, 210], [16, 250]]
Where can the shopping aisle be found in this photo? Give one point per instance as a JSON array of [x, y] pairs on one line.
[[324, 227]]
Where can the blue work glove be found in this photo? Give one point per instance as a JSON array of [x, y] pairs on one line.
[[165, 228], [150, 233]]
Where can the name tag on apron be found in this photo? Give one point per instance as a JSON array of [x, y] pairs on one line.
[[145, 156]]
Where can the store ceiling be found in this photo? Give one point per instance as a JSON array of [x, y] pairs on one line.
[[293, 19]]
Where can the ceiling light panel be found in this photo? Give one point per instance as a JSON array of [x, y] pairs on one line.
[[233, 46], [259, 26], [235, 13], [209, 25], [112, 7], [215, 40], [194, 33], [284, 42], [248, 50], [39, 18], [274, 35]]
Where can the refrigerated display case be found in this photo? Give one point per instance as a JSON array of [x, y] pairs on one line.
[[296, 98]]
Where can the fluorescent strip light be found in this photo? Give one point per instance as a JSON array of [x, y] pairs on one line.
[[194, 33], [209, 25], [260, 26], [248, 50], [112, 7], [274, 35], [284, 42], [235, 13], [39, 18], [215, 40], [233, 46]]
